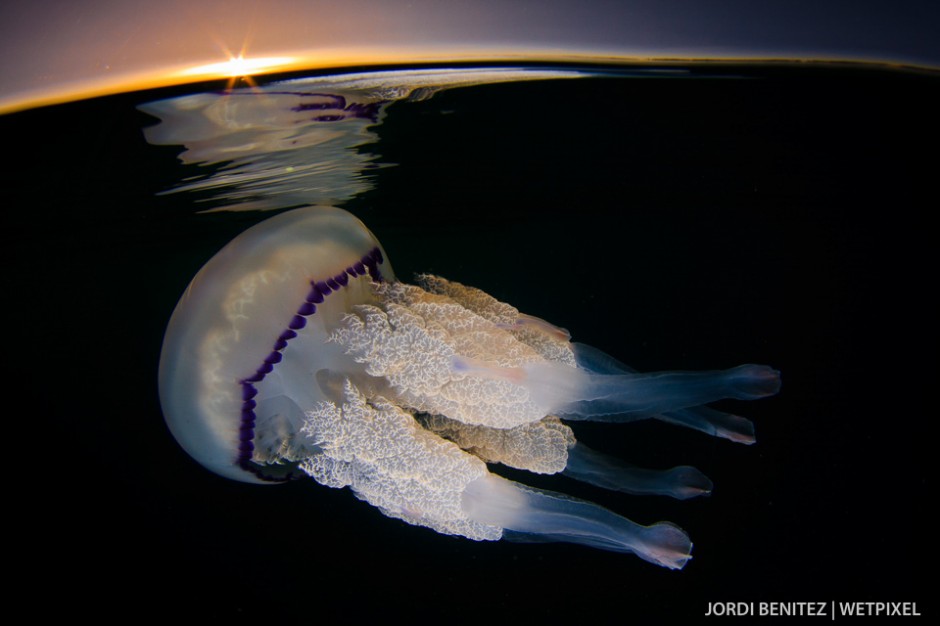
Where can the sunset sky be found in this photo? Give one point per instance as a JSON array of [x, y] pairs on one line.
[[100, 46]]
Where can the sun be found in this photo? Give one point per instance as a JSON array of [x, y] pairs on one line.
[[238, 67]]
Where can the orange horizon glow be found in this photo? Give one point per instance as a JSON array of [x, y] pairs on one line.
[[246, 67]]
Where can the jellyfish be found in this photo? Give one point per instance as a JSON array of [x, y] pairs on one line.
[[295, 351]]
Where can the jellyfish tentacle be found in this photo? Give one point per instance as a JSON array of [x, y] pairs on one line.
[[590, 466], [540, 447], [587, 395], [574, 393], [716, 423], [701, 418], [539, 325], [547, 516], [598, 361], [377, 449]]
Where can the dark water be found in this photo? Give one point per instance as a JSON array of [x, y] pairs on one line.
[[676, 223]]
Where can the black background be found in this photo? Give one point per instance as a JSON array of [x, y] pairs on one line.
[[680, 223]]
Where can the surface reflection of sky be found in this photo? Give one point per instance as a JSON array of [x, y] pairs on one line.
[[298, 142], [55, 50]]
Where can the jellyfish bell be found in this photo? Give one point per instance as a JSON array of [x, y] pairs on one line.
[[267, 289], [295, 350]]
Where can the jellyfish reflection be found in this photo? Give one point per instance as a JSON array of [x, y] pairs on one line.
[[295, 350], [300, 142]]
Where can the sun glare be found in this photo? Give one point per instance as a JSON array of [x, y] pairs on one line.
[[237, 67]]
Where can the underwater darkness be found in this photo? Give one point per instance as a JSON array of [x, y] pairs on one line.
[[746, 214]]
